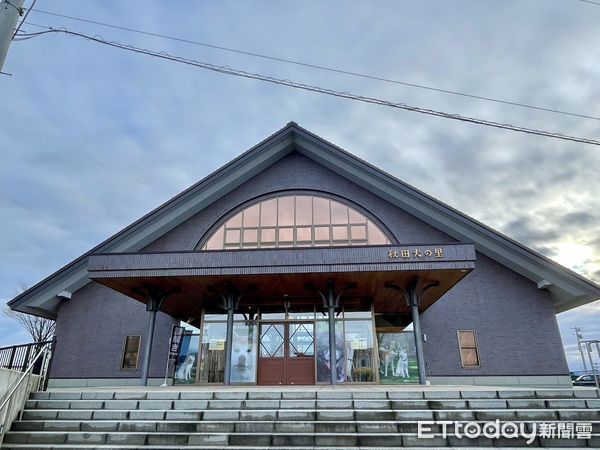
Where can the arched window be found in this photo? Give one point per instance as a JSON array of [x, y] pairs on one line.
[[296, 221]]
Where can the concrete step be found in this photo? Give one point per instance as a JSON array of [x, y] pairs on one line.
[[333, 418], [253, 440], [229, 447], [253, 426], [571, 403], [308, 394], [313, 414]]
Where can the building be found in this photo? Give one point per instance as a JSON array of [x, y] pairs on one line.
[[296, 248]]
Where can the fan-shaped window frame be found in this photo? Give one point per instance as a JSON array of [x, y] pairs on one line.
[[262, 223]]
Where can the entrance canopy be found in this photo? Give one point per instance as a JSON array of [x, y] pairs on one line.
[[194, 279]]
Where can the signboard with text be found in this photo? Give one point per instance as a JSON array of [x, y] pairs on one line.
[[175, 342], [416, 253]]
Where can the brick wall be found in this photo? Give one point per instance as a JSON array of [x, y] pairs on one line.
[[515, 322]]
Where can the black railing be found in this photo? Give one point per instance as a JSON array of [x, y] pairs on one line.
[[19, 357]]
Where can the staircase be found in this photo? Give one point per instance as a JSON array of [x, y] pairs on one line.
[[313, 417]]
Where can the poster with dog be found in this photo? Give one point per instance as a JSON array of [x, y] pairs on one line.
[[243, 353], [187, 363], [397, 358], [323, 352]]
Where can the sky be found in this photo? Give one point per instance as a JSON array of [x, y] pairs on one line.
[[93, 137]]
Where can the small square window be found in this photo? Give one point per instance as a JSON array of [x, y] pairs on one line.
[[466, 339], [303, 234], [469, 357], [355, 216], [340, 233], [286, 234], [322, 234], [250, 236], [358, 232], [267, 235], [232, 237]]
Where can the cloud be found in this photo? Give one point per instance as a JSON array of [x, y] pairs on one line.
[[579, 219], [11, 333], [523, 230]]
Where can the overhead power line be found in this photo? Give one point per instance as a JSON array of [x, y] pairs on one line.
[[319, 67], [256, 76], [24, 18]]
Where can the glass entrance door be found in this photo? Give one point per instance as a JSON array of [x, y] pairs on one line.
[[286, 353]]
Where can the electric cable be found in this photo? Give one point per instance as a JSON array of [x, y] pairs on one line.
[[24, 18], [320, 67], [313, 88]]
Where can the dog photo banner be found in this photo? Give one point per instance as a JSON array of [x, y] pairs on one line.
[[397, 358]]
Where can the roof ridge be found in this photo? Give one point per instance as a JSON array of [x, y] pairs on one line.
[[249, 160], [450, 208], [145, 217]]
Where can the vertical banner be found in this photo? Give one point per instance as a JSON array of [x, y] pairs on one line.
[[243, 353], [187, 361], [323, 352], [175, 343]]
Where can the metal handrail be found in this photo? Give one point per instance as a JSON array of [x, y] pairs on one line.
[[17, 357], [6, 403], [25, 345]]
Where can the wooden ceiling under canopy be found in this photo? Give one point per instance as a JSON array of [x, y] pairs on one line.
[[272, 276]]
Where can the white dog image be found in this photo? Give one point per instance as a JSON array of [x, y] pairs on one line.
[[184, 372], [402, 366]]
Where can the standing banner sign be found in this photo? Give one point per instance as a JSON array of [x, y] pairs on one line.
[[175, 343], [174, 348]]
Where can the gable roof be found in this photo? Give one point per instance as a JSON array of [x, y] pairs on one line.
[[568, 288]]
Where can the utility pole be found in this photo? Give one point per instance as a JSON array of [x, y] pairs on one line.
[[579, 335], [588, 346], [10, 10]]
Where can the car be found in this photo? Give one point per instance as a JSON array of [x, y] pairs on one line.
[[576, 374], [586, 380]]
